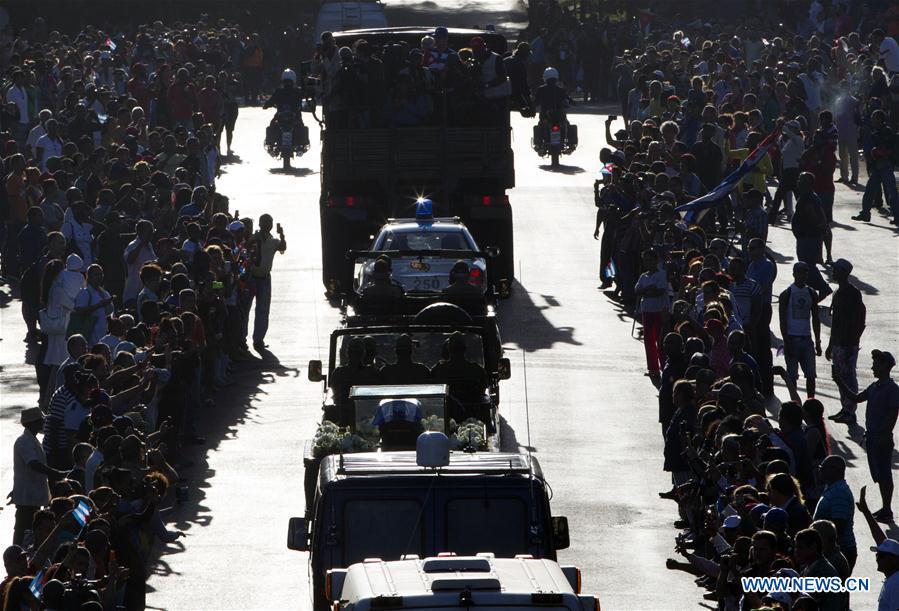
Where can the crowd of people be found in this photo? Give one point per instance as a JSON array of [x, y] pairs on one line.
[[759, 111], [136, 283], [586, 40], [136, 280], [402, 84]]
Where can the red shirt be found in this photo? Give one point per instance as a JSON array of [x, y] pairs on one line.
[[140, 91], [210, 102], [182, 101], [822, 164]]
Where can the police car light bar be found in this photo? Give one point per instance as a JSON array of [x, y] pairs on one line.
[[424, 210]]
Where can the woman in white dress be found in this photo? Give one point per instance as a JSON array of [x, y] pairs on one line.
[[60, 287]]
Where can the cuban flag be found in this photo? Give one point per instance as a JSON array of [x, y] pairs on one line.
[[37, 585], [82, 512], [110, 44], [731, 181]]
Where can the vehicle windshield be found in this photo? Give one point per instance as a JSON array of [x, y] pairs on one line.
[[475, 525], [427, 346], [410, 519], [425, 240], [381, 528]]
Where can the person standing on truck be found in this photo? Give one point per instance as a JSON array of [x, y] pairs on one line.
[[493, 84], [442, 57], [516, 67], [325, 65]]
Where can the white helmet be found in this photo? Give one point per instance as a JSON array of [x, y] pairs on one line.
[[289, 75], [550, 73]]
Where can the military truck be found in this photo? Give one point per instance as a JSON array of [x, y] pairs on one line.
[[371, 174], [393, 504]]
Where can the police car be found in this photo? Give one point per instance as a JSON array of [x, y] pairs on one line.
[[423, 251], [451, 582]]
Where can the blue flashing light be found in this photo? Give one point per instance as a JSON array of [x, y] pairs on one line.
[[424, 210]]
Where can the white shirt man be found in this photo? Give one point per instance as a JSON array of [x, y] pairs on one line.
[[145, 255], [34, 135], [19, 96], [29, 487], [48, 147], [889, 54]]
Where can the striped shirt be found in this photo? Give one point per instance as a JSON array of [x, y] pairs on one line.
[[744, 292], [55, 438], [837, 503]]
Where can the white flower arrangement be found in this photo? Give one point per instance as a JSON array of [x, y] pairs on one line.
[[432, 423], [471, 433], [331, 439]]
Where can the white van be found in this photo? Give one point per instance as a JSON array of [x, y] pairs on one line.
[[336, 16], [448, 582]]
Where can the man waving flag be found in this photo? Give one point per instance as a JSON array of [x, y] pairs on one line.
[[81, 513], [730, 181]]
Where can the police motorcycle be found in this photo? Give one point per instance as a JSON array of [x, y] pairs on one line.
[[286, 136], [553, 134]]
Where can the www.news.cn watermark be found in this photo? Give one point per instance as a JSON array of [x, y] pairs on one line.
[[805, 584]]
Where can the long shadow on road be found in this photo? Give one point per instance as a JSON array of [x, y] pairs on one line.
[[523, 323], [233, 407]]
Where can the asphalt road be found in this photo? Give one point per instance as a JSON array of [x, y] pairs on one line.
[[577, 372]]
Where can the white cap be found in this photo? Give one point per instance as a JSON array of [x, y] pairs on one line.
[[74, 263]]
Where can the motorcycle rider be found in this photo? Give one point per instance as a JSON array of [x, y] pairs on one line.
[[286, 99], [551, 99]]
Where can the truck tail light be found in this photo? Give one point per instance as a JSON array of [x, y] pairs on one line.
[[495, 200], [342, 201], [476, 276]]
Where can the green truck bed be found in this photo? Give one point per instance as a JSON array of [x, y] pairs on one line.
[[418, 153]]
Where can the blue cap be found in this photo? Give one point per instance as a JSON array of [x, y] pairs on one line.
[[424, 209], [440, 31], [775, 519], [758, 511]]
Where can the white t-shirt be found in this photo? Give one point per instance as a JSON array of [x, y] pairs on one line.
[[50, 147], [799, 311], [90, 296], [889, 594], [19, 96], [132, 270], [889, 53], [29, 487], [658, 280], [34, 135], [81, 234], [90, 468]]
